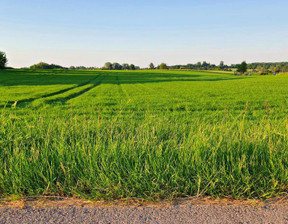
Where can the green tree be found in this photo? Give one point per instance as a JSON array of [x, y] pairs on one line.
[[132, 67], [163, 66], [3, 60], [242, 67], [125, 66], [285, 68], [116, 66], [278, 68], [205, 65], [259, 68], [221, 66], [198, 64], [151, 66], [43, 65], [108, 65]]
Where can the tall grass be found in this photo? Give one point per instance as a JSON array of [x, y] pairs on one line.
[[156, 156]]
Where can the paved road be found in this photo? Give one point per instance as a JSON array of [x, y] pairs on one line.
[[187, 213]]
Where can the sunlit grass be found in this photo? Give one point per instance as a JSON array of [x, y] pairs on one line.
[[145, 134]]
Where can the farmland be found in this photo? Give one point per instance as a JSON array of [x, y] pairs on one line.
[[143, 134]]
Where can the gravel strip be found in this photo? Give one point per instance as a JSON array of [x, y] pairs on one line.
[[188, 213]]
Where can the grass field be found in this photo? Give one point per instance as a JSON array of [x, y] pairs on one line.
[[143, 134]]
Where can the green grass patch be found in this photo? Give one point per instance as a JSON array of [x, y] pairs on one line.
[[144, 134]]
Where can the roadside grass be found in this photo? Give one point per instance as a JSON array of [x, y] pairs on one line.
[[142, 136], [157, 157]]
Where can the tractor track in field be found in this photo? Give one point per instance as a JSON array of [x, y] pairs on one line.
[[63, 100], [122, 91], [22, 103]]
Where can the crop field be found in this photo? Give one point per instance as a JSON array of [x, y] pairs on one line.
[[143, 134]]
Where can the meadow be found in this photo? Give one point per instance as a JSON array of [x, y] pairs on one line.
[[143, 134]]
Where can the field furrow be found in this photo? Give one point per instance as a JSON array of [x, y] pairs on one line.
[[65, 96]]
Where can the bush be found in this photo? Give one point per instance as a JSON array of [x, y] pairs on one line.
[[43, 65]]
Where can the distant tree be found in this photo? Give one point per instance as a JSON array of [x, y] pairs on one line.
[[81, 68], [278, 68], [285, 68], [259, 68], [125, 66], [3, 60], [221, 66], [205, 65], [267, 66], [163, 66], [40, 65], [151, 66], [242, 67], [272, 68], [198, 64], [116, 66], [132, 67], [43, 65], [190, 66], [108, 65]]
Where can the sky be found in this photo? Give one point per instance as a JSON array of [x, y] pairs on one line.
[[90, 33]]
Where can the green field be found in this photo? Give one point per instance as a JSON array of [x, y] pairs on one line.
[[143, 134]]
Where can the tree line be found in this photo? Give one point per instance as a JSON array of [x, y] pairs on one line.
[[117, 66], [43, 65], [269, 67], [107, 66], [262, 68]]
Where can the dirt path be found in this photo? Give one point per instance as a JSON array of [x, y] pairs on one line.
[[178, 213]]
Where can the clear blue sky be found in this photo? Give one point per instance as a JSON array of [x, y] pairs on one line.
[[70, 32]]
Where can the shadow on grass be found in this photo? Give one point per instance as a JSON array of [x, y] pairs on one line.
[[68, 77]]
